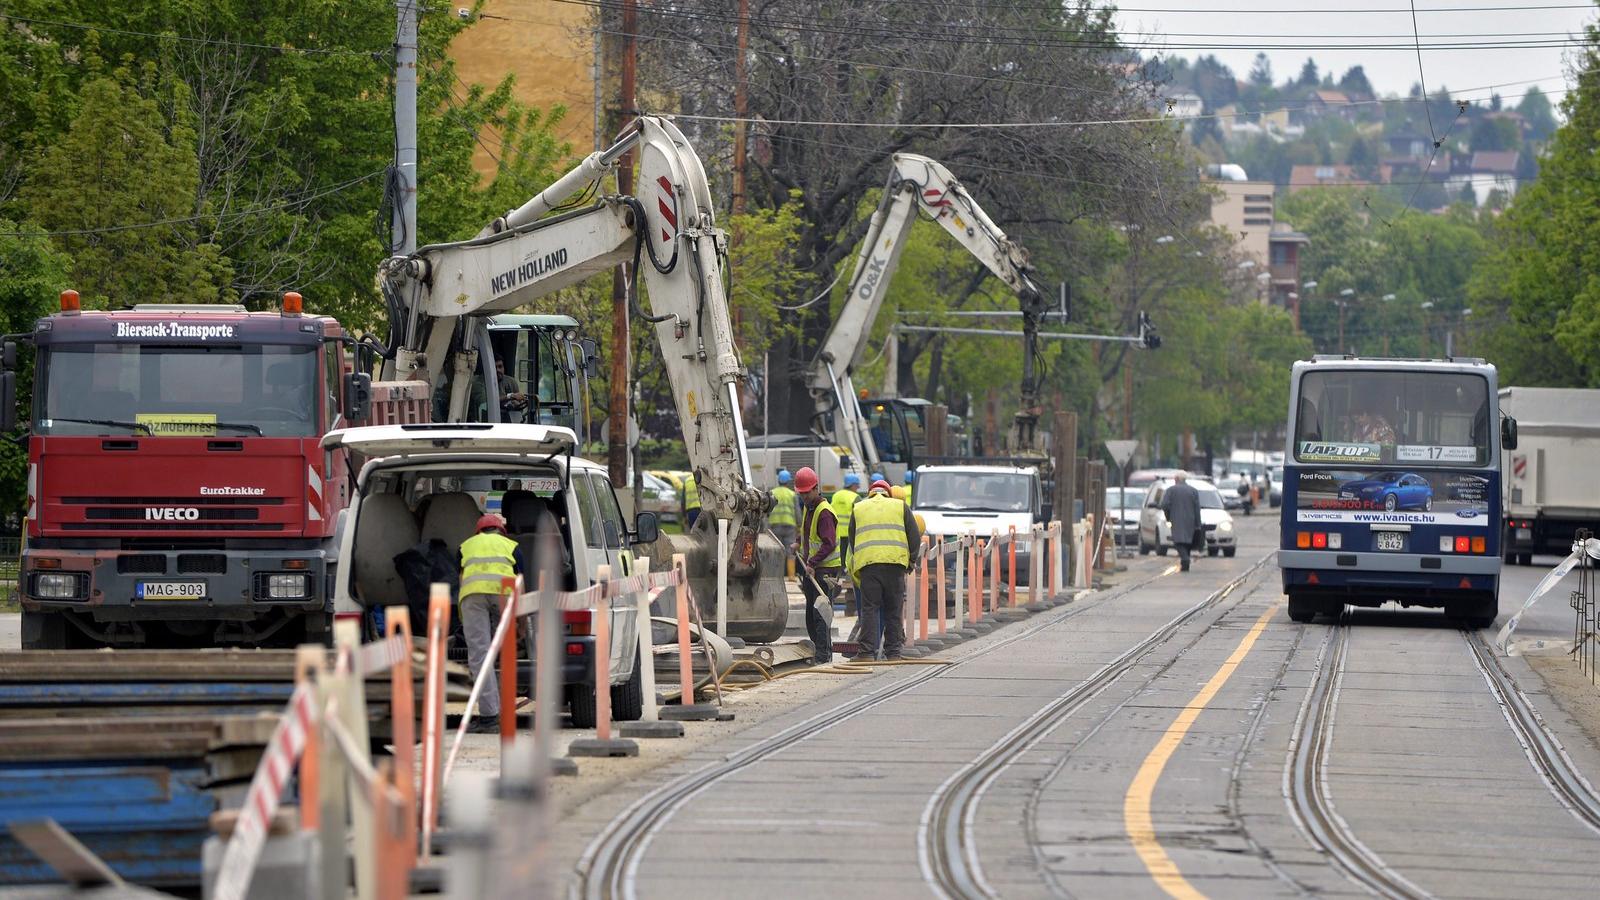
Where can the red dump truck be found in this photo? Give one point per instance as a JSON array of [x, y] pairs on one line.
[[178, 494]]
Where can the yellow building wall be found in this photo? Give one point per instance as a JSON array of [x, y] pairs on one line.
[[549, 47]]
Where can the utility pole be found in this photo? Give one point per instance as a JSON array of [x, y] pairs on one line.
[[1127, 398], [405, 126], [621, 341], [741, 106]]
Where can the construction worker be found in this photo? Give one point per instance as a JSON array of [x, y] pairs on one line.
[[880, 557], [691, 501], [785, 509], [821, 556], [902, 491], [842, 500], [487, 558], [910, 487]]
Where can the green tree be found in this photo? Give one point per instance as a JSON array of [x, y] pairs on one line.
[[119, 166], [1535, 108], [31, 274], [1308, 74], [1538, 287], [1495, 134], [1355, 84]]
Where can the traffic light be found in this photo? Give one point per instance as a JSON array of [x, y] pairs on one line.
[[1148, 339]]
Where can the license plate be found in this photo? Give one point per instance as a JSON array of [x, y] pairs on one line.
[[1524, 534], [1391, 540], [172, 590]]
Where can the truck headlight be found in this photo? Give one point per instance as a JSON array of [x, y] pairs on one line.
[[288, 587], [56, 586]]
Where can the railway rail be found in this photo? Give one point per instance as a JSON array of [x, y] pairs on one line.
[[947, 848], [609, 866]]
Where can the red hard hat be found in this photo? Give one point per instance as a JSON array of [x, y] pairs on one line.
[[879, 487], [490, 520], [805, 480]]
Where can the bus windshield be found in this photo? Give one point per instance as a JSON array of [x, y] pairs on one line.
[[1392, 416], [175, 390]]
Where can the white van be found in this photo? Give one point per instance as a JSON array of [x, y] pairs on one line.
[[426, 483], [955, 500]]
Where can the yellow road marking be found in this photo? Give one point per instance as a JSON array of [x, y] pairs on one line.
[[1136, 803]]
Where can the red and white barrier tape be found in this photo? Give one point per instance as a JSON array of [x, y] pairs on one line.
[[607, 591], [381, 656], [266, 791]]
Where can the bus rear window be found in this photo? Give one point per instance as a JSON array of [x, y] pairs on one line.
[[1360, 418]]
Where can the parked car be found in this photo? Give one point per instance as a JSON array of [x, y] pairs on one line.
[[1275, 486], [1147, 477], [1391, 490], [1122, 510], [1154, 529], [659, 497], [1228, 486]]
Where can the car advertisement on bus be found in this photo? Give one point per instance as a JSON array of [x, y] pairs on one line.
[[1392, 496]]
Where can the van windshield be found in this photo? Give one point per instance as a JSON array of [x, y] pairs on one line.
[[975, 491]]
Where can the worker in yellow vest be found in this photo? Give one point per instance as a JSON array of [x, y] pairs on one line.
[[883, 533], [785, 509], [691, 501], [487, 559], [841, 501], [820, 553]]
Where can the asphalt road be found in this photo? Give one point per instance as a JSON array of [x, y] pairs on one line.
[[1174, 735]]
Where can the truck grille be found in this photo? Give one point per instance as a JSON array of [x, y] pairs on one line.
[[215, 514], [202, 564], [141, 564]]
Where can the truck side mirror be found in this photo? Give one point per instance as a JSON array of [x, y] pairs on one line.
[[645, 528], [1508, 433], [357, 396], [8, 400], [591, 357], [8, 355]]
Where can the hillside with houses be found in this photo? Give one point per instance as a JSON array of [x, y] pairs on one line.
[[1322, 129]]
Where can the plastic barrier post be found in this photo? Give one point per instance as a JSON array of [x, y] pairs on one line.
[[602, 656], [396, 855], [685, 663], [961, 582], [353, 716], [975, 580], [1011, 569], [994, 572], [433, 713], [1035, 564], [647, 648], [333, 798], [403, 721], [508, 673], [308, 666], [922, 592], [943, 550]]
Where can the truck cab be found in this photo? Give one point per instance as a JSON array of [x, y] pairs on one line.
[[420, 490]]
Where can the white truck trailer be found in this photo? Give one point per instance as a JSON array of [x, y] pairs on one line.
[[1549, 484]]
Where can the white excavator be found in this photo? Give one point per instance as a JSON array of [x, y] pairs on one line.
[[442, 296], [915, 183]]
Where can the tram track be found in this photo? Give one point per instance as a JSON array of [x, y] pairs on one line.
[[1543, 749], [1306, 783], [609, 866], [947, 850]]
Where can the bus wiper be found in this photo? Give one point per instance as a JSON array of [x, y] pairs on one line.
[[113, 423], [241, 426]]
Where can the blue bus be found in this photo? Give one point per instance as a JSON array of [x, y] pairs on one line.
[[1391, 487]]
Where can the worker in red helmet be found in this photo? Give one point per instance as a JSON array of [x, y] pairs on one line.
[[487, 559], [818, 551]]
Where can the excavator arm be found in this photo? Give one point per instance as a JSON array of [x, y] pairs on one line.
[[915, 183]]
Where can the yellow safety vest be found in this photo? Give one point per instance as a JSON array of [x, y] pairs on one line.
[[880, 533], [783, 510], [691, 493], [814, 539], [486, 558], [841, 501]]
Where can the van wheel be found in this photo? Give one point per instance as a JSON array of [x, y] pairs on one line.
[[580, 701], [627, 699]]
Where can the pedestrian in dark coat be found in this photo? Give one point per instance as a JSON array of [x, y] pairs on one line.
[[1181, 504]]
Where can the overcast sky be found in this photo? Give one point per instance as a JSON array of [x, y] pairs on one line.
[[1251, 23]]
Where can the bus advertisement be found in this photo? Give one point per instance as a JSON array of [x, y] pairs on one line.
[[1391, 487]]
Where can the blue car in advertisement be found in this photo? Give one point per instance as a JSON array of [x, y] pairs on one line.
[[1390, 491]]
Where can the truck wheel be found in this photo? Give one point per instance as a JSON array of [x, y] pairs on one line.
[[1301, 609], [627, 699], [44, 631], [1525, 559], [1229, 551], [580, 701]]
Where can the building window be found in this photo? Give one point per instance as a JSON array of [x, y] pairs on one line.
[[1258, 198], [1280, 254], [1325, 172], [1258, 210], [1258, 221]]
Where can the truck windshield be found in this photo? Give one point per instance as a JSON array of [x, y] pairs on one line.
[[979, 492], [176, 390], [1392, 416]]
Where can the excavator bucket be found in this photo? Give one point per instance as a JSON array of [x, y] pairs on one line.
[[758, 600]]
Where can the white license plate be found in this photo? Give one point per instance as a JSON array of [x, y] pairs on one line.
[[172, 590], [1524, 534], [1391, 540]]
